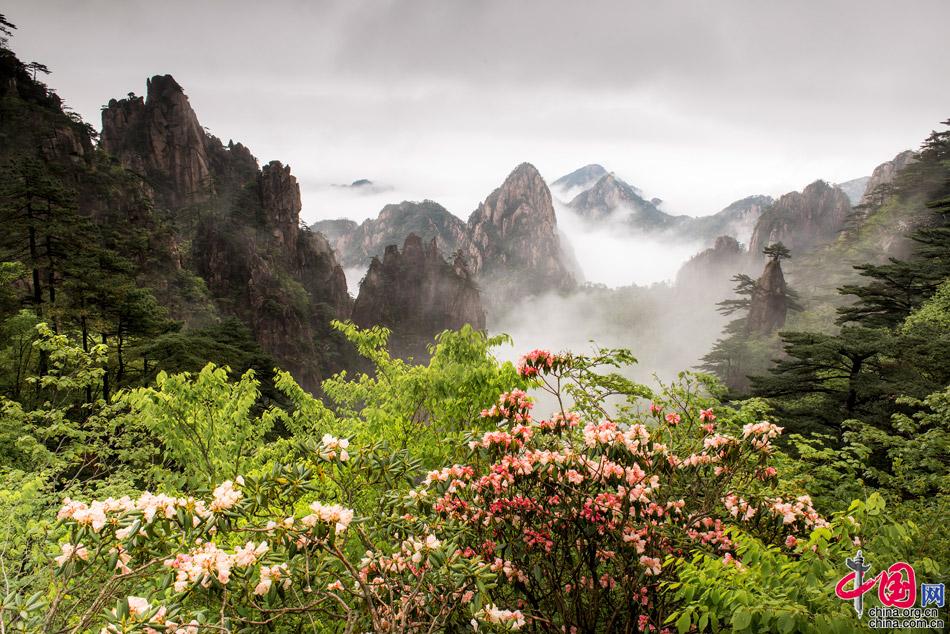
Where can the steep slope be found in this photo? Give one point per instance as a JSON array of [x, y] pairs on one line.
[[855, 189], [237, 226], [356, 244], [708, 274], [582, 179], [512, 243], [883, 175], [737, 220], [612, 198], [417, 294], [803, 220]]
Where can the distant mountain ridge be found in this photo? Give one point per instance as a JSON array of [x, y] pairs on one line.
[[356, 244], [512, 234], [577, 181], [611, 198]]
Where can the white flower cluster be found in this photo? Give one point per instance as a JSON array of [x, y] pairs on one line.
[[334, 514], [512, 620], [101, 512], [333, 447]]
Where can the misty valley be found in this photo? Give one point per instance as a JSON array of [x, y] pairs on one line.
[[235, 402]]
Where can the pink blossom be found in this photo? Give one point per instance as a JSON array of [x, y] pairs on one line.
[[652, 564]]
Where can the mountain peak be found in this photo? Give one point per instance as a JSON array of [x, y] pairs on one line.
[[515, 229], [803, 220], [162, 87], [581, 178], [524, 170], [160, 138]]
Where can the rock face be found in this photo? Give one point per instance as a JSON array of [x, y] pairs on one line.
[[612, 198], [242, 225], [855, 189], [709, 272], [803, 220], [357, 244], [577, 181], [737, 220], [417, 294], [160, 138], [883, 175], [768, 307], [335, 229], [512, 242]]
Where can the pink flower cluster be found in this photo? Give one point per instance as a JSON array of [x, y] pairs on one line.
[[201, 566], [514, 406], [540, 361], [760, 434], [797, 514], [334, 447]]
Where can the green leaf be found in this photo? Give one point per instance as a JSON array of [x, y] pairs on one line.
[[683, 623], [786, 623], [741, 619]]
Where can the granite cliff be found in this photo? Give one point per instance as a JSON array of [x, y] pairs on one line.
[[769, 303], [512, 241], [237, 226], [356, 244], [417, 294], [803, 220]]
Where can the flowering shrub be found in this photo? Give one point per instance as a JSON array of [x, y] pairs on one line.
[[255, 552], [609, 515], [581, 514]]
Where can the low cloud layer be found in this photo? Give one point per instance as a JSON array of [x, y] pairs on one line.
[[701, 103]]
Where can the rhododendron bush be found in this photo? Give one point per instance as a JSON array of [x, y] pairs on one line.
[[256, 552], [615, 511], [580, 514]]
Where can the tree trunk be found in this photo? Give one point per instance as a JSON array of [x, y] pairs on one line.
[[852, 391], [85, 347], [105, 376]]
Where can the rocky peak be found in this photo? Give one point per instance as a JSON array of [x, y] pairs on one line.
[[883, 175], [803, 220], [160, 138], [512, 241], [611, 197], [247, 245], [356, 244], [523, 196], [417, 294], [739, 218], [709, 272], [280, 203], [768, 306], [579, 179]]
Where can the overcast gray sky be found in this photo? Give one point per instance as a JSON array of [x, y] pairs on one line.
[[699, 103]]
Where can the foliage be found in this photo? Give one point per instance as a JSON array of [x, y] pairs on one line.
[[422, 407], [578, 512], [205, 421], [770, 589]]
